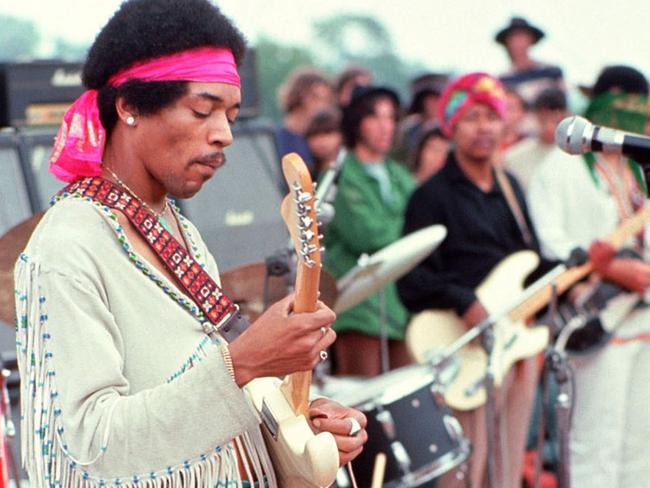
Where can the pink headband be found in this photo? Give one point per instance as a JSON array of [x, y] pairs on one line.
[[466, 91], [79, 144]]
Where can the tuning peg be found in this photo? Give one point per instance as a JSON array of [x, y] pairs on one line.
[[308, 235], [303, 197]]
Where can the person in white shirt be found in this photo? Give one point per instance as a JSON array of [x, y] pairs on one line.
[[576, 201], [523, 158]]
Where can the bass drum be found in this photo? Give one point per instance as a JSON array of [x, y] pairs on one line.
[[408, 421]]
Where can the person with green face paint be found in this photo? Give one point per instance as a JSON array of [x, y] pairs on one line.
[[576, 201]]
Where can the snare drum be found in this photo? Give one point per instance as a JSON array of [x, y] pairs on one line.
[[409, 422]]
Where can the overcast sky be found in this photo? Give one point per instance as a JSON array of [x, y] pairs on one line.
[[582, 35]]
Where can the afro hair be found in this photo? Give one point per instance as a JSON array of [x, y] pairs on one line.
[[147, 29]]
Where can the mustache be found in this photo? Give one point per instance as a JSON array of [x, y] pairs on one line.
[[215, 159]]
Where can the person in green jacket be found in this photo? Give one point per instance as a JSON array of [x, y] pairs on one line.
[[369, 207]]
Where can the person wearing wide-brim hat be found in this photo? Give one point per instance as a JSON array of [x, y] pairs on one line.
[[519, 24], [527, 76]]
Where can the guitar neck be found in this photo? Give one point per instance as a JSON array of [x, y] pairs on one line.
[[299, 213], [566, 280], [296, 385], [629, 227], [542, 297]]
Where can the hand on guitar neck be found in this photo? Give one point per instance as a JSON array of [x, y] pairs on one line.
[[629, 273], [474, 314], [281, 342]]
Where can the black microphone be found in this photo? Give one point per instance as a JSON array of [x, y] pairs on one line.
[[576, 135]]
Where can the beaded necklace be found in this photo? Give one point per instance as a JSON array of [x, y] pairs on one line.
[[159, 215]]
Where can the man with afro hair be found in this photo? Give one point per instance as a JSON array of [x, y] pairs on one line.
[[132, 361]]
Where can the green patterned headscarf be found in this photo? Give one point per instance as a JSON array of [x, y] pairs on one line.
[[619, 110]]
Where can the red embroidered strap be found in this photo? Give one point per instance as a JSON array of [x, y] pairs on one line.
[[203, 290]]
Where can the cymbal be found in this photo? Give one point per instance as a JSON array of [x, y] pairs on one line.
[[245, 286], [12, 243], [373, 272]]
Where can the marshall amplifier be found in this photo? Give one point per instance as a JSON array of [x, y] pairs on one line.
[[238, 210], [37, 93]]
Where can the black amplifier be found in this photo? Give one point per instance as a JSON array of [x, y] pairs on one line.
[[37, 93]]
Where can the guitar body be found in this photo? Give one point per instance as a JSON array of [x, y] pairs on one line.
[[590, 323], [300, 457], [431, 331]]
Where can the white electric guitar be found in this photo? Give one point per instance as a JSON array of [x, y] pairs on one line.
[[301, 459], [430, 332]]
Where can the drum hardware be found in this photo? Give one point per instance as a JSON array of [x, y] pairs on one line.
[[385, 419], [401, 456]]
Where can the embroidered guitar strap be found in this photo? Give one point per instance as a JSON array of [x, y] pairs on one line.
[[217, 308]]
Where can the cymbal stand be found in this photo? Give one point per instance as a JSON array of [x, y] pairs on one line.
[[383, 333]]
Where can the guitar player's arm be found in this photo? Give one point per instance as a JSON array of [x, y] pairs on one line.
[[548, 211]]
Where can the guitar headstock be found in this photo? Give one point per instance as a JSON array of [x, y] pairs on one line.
[[299, 214], [299, 210]]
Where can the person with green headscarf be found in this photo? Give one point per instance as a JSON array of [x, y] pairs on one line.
[[577, 201]]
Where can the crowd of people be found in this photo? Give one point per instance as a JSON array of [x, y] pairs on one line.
[[481, 153], [128, 377]]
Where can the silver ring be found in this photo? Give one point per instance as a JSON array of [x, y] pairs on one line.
[[356, 427], [323, 355], [324, 331]]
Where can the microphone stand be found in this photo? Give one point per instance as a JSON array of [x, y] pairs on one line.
[[487, 341], [326, 188]]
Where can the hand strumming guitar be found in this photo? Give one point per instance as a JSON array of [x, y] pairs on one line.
[[346, 424]]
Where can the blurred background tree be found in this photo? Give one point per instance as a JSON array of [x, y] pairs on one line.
[[19, 38]]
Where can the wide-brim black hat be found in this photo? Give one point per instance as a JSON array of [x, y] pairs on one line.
[[519, 23]]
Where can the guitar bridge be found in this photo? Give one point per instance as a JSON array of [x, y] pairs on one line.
[[269, 419]]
